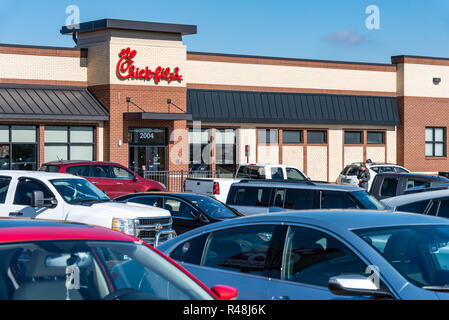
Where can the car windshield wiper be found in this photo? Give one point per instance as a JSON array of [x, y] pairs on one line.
[[437, 288], [91, 201]]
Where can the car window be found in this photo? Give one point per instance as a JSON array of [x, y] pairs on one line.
[[312, 257], [25, 188], [385, 169], [400, 170], [147, 200], [250, 250], [4, 186], [279, 195], [353, 171], [98, 171], [82, 171], [336, 200], [444, 208], [250, 196], [190, 251], [389, 187], [50, 168], [299, 199], [294, 174], [412, 183], [343, 172], [276, 173], [178, 208], [120, 173], [414, 207], [251, 172]]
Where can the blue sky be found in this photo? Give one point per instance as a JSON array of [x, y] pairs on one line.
[[310, 29]]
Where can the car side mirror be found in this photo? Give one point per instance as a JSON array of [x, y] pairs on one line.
[[199, 216], [225, 292], [135, 179], [37, 199], [356, 285]]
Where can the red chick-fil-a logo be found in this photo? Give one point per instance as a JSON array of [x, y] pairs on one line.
[[127, 70]]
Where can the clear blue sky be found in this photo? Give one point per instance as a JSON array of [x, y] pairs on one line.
[[310, 29]]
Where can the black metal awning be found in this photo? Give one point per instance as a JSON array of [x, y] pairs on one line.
[[50, 103], [156, 116], [291, 108]]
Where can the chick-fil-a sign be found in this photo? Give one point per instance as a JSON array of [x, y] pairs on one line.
[[127, 70]]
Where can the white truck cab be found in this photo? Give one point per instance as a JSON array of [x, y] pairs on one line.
[[219, 187], [65, 197]]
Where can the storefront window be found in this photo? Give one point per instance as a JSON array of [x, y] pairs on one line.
[[353, 137], [225, 152], [69, 143], [18, 147], [267, 136], [199, 149], [316, 137], [375, 137], [292, 136]]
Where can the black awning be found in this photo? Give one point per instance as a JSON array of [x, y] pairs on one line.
[[290, 108], [50, 103], [156, 116]]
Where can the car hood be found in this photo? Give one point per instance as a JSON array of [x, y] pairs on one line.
[[123, 210]]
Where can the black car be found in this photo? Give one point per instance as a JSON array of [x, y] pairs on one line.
[[188, 210]]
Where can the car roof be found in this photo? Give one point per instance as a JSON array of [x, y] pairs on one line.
[[413, 175], [371, 164], [37, 174], [414, 197], [19, 230], [297, 185]]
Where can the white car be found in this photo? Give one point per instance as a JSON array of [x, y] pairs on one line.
[[348, 176], [65, 197]]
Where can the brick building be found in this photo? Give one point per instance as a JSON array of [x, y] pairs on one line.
[[131, 92]]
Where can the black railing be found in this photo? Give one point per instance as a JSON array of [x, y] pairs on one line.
[[174, 180]]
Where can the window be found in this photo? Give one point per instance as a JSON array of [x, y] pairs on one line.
[[250, 196], [98, 171], [389, 187], [435, 142], [294, 174], [411, 183], [353, 137], [244, 249], [400, 170], [18, 147], [24, 190], [4, 186], [267, 136], [225, 152], [190, 251], [312, 257], [121, 173], [353, 171], [50, 168], [375, 137], [279, 196], [178, 209], [292, 136], [415, 207], [444, 208], [81, 171], [147, 200], [316, 137], [299, 199], [251, 172], [199, 149], [69, 143], [277, 173], [336, 200], [147, 136]]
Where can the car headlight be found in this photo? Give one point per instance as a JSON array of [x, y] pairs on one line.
[[124, 225]]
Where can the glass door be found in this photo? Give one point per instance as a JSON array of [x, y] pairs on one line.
[[147, 158]]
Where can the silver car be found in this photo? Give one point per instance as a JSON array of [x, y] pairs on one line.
[[321, 254]]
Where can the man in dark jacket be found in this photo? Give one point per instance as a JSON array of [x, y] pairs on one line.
[[363, 177]]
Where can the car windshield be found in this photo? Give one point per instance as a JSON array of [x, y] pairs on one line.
[[419, 252], [78, 191], [91, 270], [211, 207], [368, 200]]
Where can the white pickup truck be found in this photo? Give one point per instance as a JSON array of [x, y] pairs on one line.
[[219, 187], [65, 197]]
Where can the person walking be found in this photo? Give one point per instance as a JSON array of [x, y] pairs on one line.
[[363, 176]]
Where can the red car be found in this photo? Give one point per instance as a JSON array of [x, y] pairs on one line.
[[112, 178], [48, 260]]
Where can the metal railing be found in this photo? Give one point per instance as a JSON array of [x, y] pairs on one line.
[[174, 180]]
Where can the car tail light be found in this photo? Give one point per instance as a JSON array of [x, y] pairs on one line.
[[216, 188]]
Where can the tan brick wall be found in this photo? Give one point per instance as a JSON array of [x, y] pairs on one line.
[[317, 162], [268, 154], [352, 154], [293, 156], [376, 154]]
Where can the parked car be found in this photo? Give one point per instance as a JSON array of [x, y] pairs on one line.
[[435, 203], [111, 178], [321, 254], [262, 196], [348, 176], [188, 210], [60, 196], [391, 184], [219, 187], [47, 260]]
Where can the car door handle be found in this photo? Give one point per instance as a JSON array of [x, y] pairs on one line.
[[281, 298], [119, 182], [95, 182], [15, 214]]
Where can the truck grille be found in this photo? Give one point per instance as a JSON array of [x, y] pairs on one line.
[[146, 221], [146, 228]]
